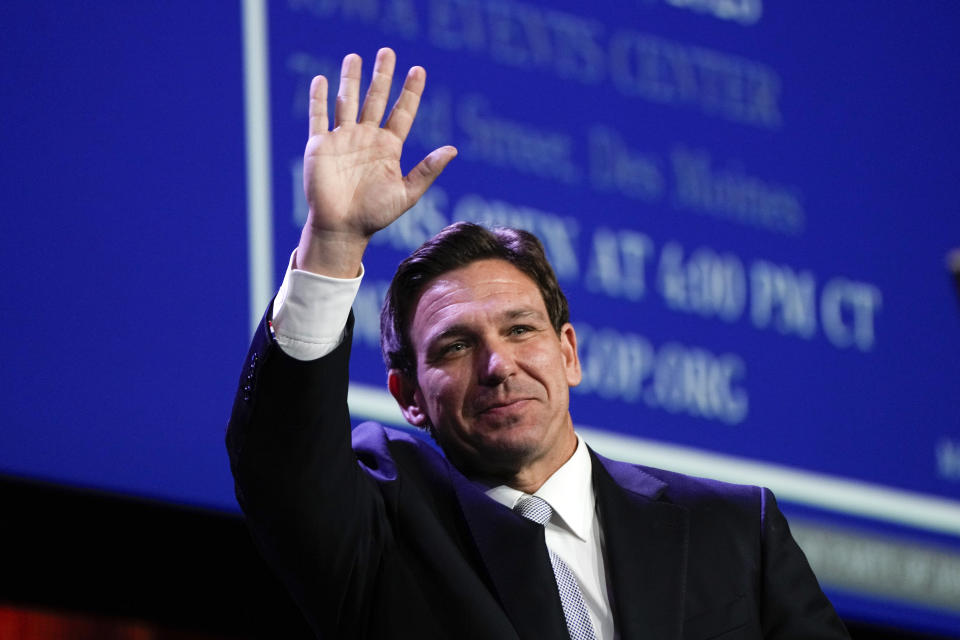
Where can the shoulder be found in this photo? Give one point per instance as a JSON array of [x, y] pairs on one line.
[[701, 497], [383, 451], [673, 486]]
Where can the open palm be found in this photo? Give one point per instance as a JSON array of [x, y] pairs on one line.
[[352, 178]]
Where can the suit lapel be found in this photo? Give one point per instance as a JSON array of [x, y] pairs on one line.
[[515, 556], [645, 549]]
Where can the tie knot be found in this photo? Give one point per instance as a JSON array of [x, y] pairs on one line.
[[534, 508]]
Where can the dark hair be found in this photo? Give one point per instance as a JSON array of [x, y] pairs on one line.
[[453, 247]]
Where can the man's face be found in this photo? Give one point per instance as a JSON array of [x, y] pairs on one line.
[[493, 376]]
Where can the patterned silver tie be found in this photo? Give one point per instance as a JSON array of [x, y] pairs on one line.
[[574, 608]]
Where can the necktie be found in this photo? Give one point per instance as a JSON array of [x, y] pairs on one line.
[[574, 608]]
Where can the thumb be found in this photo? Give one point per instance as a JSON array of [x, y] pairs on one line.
[[422, 176]]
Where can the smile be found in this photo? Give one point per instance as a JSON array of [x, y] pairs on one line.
[[504, 407]]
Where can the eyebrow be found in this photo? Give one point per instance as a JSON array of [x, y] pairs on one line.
[[461, 329], [514, 314]]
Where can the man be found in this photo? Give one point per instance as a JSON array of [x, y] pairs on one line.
[[519, 531]]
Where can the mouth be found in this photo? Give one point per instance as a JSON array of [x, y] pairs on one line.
[[505, 407]]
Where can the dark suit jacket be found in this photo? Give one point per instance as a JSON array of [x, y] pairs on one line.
[[382, 538]]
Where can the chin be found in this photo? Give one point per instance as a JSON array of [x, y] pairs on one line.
[[506, 453], [495, 444]]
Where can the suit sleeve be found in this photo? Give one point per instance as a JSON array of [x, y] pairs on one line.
[[794, 606], [316, 517]]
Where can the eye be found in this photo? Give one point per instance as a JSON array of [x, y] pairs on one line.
[[519, 330], [454, 347]]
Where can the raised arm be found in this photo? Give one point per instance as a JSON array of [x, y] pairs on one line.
[[351, 174], [318, 519]]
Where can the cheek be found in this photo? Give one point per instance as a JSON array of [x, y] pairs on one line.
[[442, 389], [546, 364]]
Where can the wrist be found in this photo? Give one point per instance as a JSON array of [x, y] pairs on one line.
[[330, 253]]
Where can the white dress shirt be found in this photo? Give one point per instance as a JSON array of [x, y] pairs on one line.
[[310, 312], [573, 531], [309, 316]]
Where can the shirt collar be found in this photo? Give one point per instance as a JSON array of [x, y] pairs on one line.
[[569, 492]]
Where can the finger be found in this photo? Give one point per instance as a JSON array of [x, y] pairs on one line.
[[405, 108], [349, 93], [319, 123], [379, 92], [422, 176]]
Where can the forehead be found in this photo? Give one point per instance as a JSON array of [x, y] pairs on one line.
[[489, 286]]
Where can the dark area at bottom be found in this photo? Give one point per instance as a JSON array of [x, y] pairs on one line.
[[175, 568]]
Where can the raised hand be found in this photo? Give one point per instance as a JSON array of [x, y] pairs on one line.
[[351, 175]]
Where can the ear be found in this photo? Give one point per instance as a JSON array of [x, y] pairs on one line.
[[571, 359], [407, 394]]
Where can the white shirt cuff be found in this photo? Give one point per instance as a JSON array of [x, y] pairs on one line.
[[310, 312]]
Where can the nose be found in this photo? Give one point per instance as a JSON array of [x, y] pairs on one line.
[[495, 365]]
